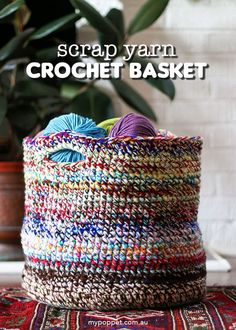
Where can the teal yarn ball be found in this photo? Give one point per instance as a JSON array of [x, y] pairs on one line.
[[75, 123]]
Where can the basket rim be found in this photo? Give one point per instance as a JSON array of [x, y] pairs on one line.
[[68, 138], [71, 134]]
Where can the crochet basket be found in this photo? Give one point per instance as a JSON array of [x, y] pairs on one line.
[[117, 230]]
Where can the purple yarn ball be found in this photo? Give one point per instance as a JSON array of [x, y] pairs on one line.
[[133, 125]]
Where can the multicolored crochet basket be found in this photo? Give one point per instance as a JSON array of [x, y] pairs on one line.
[[118, 230]]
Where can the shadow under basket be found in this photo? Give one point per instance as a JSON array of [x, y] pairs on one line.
[[117, 230]]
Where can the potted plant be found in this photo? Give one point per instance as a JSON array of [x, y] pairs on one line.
[[27, 105], [22, 106]]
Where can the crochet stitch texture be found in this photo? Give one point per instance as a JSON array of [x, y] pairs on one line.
[[118, 230]]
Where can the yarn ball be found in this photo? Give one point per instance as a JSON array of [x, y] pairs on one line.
[[133, 125], [72, 122], [108, 124]]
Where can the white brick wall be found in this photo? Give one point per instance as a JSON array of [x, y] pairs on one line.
[[203, 31]]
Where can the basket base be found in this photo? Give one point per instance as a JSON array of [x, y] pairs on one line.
[[68, 292]]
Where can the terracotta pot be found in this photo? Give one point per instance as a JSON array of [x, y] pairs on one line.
[[11, 200]]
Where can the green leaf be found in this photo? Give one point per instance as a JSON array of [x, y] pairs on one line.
[[70, 89], [11, 8], [55, 26], [15, 44], [166, 86], [3, 3], [3, 108], [34, 89], [147, 15], [116, 17], [99, 22], [94, 104], [132, 98], [47, 54]]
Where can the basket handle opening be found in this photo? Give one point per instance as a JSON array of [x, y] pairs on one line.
[[74, 157], [64, 144]]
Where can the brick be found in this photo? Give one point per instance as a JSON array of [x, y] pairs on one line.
[[222, 42], [199, 112], [201, 15], [220, 65], [220, 2], [220, 235], [233, 115], [192, 89], [222, 135], [176, 3], [226, 184], [223, 89], [185, 90], [184, 41], [219, 159], [217, 208], [208, 184]]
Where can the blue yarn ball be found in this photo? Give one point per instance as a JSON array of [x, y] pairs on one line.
[[77, 124]]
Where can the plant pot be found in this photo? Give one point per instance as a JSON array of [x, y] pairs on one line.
[[11, 201]]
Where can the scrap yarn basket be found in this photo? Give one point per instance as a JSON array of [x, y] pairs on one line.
[[117, 230]]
